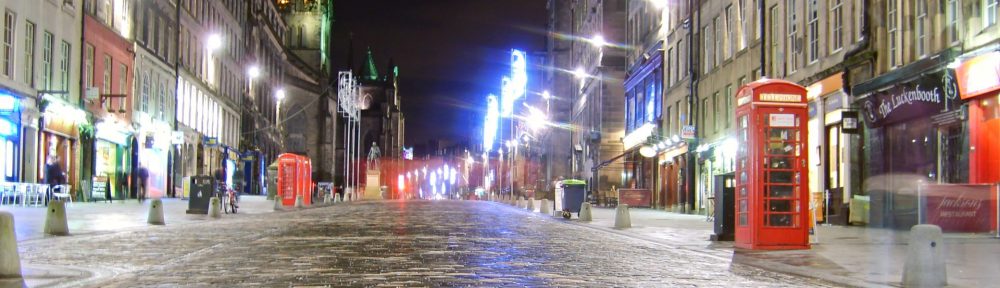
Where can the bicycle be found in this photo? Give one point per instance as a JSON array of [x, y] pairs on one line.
[[228, 198]]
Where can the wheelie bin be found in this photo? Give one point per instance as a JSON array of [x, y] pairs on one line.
[[573, 193]]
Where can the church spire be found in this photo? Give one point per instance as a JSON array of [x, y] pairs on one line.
[[368, 71]]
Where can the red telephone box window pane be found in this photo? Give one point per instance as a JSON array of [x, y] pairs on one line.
[[743, 192], [780, 191], [779, 206], [779, 162], [783, 134], [743, 205], [780, 220], [780, 177], [743, 219]]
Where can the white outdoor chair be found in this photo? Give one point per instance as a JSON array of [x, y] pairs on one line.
[[7, 191], [39, 194], [62, 192]]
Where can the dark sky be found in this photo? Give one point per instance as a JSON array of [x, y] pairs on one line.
[[450, 53]]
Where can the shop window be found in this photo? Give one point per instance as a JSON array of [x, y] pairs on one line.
[[9, 154]]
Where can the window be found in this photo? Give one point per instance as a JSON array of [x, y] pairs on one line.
[[682, 60], [144, 98], [703, 126], [731, 38], [813, 30], [671, 67], [88, 69], [921, 28], [776, 56], [794, 47], [122, 80], [722, 52], [837, 23], [29, 53], [728, 99], [162, 100], [106, 85], [47, 42], [859, 19], [64, 59], [719, 109], [670, 125], [989, 13], [709, 49], [757, 12], [953, 20], [892, 28], [8, 44]]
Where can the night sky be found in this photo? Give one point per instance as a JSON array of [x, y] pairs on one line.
[[450, 53]]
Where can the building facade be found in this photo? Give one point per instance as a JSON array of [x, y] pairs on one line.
[[155, 86]]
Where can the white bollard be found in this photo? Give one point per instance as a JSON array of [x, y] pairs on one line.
[[299, 203], [545, 209], [585, 214], [622, 218], [155, 212], [215, 208], [924, 266], [531, 204], [10, 262], [277, 203], [326, 199], [55, 220]]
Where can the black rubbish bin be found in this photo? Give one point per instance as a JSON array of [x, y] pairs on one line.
[[574, 192], [202, 189], [725, 206]]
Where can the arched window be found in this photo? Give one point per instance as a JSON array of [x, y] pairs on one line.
[[144, 103]]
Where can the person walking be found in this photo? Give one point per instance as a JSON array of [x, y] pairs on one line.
[[142, 178], [54, 176]]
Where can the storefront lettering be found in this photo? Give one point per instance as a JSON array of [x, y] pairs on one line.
[[907, 98]]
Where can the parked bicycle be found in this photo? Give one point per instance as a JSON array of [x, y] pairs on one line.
[[229, 198]]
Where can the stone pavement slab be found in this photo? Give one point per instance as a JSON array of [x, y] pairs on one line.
[[854, 256]]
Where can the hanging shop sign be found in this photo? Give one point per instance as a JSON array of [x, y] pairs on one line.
[[929, 94], [687, 132], [210, 141], [849, 121]]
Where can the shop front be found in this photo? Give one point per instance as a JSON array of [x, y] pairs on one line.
[[979, 85], [60, 142], [715, 159], [914, 140], [830, 169], [154, 138], [10, 136], [112, 160]]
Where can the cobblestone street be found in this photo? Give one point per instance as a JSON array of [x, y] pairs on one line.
[[412, 243]]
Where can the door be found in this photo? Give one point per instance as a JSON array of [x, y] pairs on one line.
[[782, 159], [835, 209]]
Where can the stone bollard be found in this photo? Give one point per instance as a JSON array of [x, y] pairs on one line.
[[531, 204], [155, 212], [545, 209], [622, 218], [585, 214], [326, 199], [55, 220], [925, 265], [277, 203], [10, 262], [299, 202], [215, 208]]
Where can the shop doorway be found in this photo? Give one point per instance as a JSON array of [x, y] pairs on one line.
[[836, 211]]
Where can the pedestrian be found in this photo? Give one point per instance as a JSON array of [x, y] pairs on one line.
[[107, 189], [142, 179], [54, 176]]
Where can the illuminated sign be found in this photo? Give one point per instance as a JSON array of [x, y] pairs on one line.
[[210, 141], [408, 153], [8, 103], [112, 132], [491, 122], [742, 101], [772, 97], [513, 87], [638, 136], [7, 128]]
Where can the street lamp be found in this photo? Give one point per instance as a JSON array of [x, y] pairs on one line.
[[579, 73], [214, 42], [598, 40], [253, 71]]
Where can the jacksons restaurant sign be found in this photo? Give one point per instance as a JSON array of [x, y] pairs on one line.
[[926, 95]]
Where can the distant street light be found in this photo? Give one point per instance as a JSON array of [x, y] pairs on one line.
[[253, 71], [579, 73], [280, 94], [546, 95], [214, 42], [598, 40]]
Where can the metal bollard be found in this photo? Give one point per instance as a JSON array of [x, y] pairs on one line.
[[925, 266]]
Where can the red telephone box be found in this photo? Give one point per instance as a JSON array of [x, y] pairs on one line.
[[294, 178], [772, 196]]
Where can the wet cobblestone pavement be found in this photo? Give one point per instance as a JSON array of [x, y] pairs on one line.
[[387, 244]]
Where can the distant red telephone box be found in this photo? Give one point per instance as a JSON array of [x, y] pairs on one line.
[[294, 178], [772, 196]]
